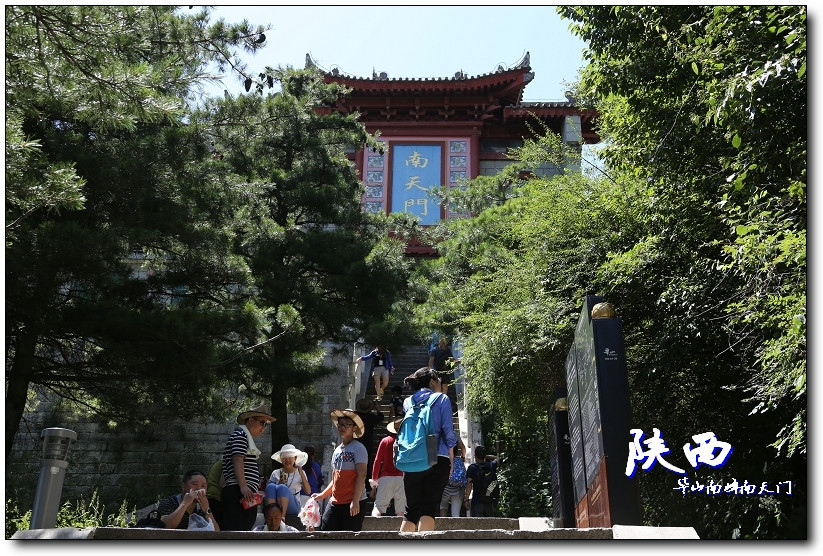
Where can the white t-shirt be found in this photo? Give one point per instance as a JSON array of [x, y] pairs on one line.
[[283, 527], [293, 480]]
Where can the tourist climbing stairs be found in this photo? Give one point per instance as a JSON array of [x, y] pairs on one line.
[[405, 363]]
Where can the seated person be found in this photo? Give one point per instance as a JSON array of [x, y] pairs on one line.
[[175, 510], [287, 485], [273, 514]]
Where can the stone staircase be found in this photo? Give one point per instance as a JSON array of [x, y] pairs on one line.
[[386, 527], [405, 363]]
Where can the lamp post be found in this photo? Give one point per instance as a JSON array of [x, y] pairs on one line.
[[56, 444]]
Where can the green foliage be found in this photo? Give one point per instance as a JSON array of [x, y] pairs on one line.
[[15, 519], [160, 256], [712, 111], [300, 230], [78, 514], [32, 184], [696, 233], [509, 281], [523, 471]]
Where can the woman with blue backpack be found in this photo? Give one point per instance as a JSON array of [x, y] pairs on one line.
[[425, 450]]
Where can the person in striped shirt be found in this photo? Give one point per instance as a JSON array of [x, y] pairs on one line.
[[241, 471], [347, 487]]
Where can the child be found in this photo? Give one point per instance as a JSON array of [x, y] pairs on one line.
[[397, 400], [347, 486], [456, 488]]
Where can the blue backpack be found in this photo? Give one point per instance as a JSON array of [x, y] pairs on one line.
[[458, 477], [416, 446]]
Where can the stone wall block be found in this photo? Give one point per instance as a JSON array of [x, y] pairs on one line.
[[139, 464]]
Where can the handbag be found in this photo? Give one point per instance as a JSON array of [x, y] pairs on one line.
[[257, 499]]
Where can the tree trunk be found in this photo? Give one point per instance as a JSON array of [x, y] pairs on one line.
[[17, 385], [280, 428]]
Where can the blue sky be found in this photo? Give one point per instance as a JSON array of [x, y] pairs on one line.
[[416, 41]]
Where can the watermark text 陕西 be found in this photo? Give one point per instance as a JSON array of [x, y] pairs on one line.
[[707, 451]]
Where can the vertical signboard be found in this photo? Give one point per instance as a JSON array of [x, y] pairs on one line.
[[589, 393], [599, 422], [613, 384], [582, 399], [375, 176], [416, 168], [560, 462]]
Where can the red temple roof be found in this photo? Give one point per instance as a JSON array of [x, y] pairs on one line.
[[488, 98]]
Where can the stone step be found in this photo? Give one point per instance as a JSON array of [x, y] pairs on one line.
[[544, 534], [405, 363], [392, 523]]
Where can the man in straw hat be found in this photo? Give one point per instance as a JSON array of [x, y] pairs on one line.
[[287, 484], [385, 477], [347, 487], [240, 470]]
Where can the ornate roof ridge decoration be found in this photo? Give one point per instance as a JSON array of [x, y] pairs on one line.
[[460, 75], [489, 101]]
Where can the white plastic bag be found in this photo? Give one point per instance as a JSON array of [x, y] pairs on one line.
[[200, 523], [310, 514]]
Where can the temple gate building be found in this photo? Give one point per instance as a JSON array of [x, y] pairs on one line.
[[439, 131]]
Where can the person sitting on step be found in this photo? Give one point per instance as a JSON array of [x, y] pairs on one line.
[[286, 485], [273, 514]]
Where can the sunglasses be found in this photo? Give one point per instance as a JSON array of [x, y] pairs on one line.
[[262, 422], [342, 425]]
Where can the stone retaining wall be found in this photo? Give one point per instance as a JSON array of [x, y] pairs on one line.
[[142, 465]]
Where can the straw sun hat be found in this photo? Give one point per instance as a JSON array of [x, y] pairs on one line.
[[358, 422], [260, 410]]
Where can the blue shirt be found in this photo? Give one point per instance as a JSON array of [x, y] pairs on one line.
[[315, 476], [382, 360], [443, 423], [440, 356]]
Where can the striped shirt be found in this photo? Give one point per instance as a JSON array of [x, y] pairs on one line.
[[238, 444], [169, 505]]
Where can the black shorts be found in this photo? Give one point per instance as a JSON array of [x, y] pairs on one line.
[[424, 490]]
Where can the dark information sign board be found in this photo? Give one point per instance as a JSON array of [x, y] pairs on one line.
[[575, 429], [581, 383], [560, 462], [599, 417]]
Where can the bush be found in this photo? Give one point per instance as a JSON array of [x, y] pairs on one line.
[[77, 514], [523, 473]]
